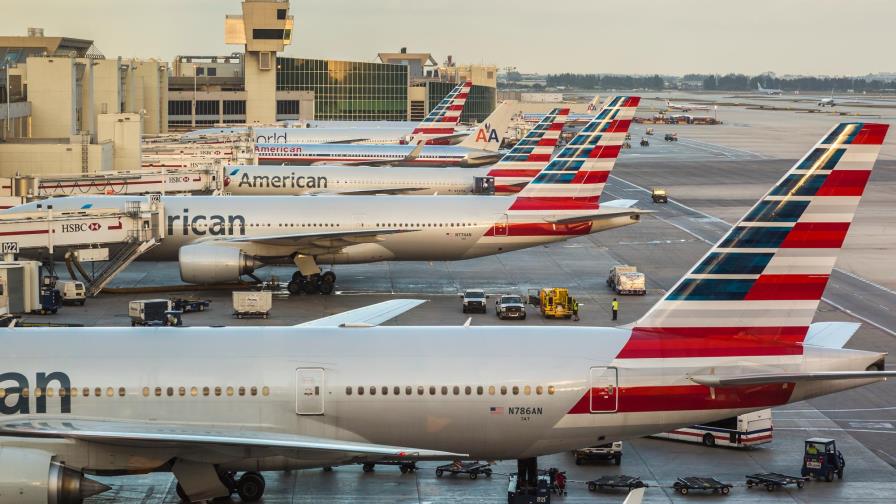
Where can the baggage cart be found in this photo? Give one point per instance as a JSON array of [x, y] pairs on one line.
[[473, 469], [618, 481], [404, 467], [252, 304], [688, 483], [774, 481]]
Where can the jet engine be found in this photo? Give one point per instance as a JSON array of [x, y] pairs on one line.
[[29, 476], [205, 263]]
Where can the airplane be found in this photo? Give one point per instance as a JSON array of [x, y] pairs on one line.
[[437, 128], [685, 107], [768, 91], [221, 238], [734, 335], [479, 147], [827, 102], [507, 176]]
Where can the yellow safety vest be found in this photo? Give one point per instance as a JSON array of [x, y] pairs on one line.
[[616, 305]]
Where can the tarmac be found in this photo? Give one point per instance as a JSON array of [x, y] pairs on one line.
[[713, 174]]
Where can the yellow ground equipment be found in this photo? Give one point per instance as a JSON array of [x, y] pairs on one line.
[[554, 302]]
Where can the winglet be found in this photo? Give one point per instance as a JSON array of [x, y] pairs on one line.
[[367, 316]]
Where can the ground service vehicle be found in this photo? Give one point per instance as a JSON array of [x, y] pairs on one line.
[[659, 195], [610, 451], [72, 291], [749, 429], [554, 302], [148, 311], [645, 143], [671, 137], [822, 459], [510, 306], [625, 279], [474, 301], [252, 304], [188, 305]]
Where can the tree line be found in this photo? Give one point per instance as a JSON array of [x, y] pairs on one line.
[[606, 81], [727, 82]]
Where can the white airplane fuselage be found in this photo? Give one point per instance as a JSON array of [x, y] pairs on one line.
[[438, 228], [296, 181], [490, 392]]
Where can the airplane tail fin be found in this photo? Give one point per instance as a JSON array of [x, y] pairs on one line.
[[593, 106], [444, 117], [493, 130], [756, 291], [574, 179], [526, 159]]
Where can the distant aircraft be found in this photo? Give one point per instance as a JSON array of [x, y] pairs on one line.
[[573, 119], [734, 335], [768, 91], [827, 102], [221, 238], [685, 107]]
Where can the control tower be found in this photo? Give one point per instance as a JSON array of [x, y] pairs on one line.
[[264, 29]]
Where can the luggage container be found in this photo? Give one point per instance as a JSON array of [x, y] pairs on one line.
[[252, 304], [148, 311]]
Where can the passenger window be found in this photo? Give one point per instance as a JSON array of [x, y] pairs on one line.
[[181, 391], [408, 390], [360, 390], [539, 390], [456, 390], [491, 390], [85, 390], [121, 391], [503, 390], [420, 390], [396, 390], [145, 391], [2, 393], [372, 390], [63, 391], [254, 391], [158, 391], [205, 391], [37, 392], [49, 391], [217, 391], [516, 390], [109, 392], [242, 391], [265, 391], [348, 390], [229, 391], [479, 390], [385, 390], [74, 391], [468, 390], [194, 391], [444, 390], [432, 390], [551, 389], [25, 392], [170, 391], [527, 390]]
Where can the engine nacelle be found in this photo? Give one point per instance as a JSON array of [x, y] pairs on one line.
[[29, 476], [205, 263]]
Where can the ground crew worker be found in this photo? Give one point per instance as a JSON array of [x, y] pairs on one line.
[[575, 309], [615, 309]]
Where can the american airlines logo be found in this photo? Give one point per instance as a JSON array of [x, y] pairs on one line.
[[487, 134], [292, 181], [212, 225], [21, 389]]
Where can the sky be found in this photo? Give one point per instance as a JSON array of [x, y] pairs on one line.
[[672, 37]]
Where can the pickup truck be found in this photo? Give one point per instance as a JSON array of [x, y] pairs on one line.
[[510, 306], [474, 301]]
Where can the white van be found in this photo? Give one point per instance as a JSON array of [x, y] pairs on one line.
[[72, 291]]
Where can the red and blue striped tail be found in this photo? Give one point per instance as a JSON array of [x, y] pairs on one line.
[[756, 291], [530, 155], [444, 117], [575, 177]]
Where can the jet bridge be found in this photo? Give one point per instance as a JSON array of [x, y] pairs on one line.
[[201, 180], [111, 236]]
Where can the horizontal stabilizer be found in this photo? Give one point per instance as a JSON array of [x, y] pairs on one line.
[[619, 203], [597, 216], [831, 334], [366, 316], [766, 378]]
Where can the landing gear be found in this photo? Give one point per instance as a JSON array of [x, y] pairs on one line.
[[250, 487], [324, 283]]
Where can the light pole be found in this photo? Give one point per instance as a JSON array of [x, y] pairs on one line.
[[195, 66]]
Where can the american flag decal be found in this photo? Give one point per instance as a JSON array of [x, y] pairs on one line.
[[496, 410]]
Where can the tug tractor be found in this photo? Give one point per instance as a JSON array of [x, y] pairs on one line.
[[822, 459]]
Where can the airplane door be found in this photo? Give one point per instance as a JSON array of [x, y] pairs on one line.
[[604, 390], [500, 226], [309, 391]]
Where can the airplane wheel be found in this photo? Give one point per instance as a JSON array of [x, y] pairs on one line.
[[328, 276], [296, 276], [295, 287], [325, 287], [310, 286], [250, 487]]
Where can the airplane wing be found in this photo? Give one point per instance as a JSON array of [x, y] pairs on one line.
[[766, 378], [414, 154], [347, 141], [319, 239], [366, 316], [383, 190], [185, 440]]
